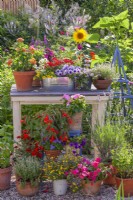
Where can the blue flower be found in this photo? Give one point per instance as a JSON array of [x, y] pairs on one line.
[[52, 147]]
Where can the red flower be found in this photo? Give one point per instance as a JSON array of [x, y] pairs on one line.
[[47, 120], [39, 155], [70, 120], [63, 138], [28, 150], [18, 137], [92, 55], [54, 130], [25, 131], [26, 136], [52, 138], [23, 121], [64, 114], [62, 33]]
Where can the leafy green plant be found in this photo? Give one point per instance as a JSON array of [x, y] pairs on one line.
[[28, 170], [108, 138], [122, 159], [103, 72]]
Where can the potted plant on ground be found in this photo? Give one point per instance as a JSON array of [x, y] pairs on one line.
[[88, 175], [57, 171], [103, 75], [108, 138], [122, 159], [22, 61], [5, 165], [75, 105], [27, 171]]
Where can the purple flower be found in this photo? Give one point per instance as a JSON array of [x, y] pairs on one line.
[[66, 97], [79, 46], [83, 142], [45, 40], [52, 147], [62, 48], [32, 41]]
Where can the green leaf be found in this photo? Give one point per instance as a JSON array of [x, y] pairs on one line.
[[93, 38], [125, 23], [123, 15], [132, 25]]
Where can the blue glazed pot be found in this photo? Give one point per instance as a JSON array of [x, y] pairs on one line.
[[73, 133]]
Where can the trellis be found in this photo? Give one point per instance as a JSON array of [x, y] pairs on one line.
[[15, 5]]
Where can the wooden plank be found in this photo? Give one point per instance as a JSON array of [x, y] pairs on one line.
[[14, 5]]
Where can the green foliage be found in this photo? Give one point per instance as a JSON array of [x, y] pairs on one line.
[[28, 169], [122, 159], [108, 138]]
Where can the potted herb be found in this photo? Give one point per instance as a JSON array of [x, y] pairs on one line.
[[102, 76], [75, 104], [5, 165], [88, 175], [57, 171], [107, 138], [22, 61], [122, 159], [27, 170]]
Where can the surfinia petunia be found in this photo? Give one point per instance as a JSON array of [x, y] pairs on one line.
[[80, 35]]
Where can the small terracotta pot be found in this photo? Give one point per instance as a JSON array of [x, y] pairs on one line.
[[5, 178], [36, 83], [110, 180], [91, 188], [102, 84], [23, 80], [127, 186], [27, 190], [52, 153]]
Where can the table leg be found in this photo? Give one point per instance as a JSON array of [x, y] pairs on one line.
[[98, 118], [16, 120]]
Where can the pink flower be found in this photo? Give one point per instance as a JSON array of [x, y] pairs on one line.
[[75, 171], [66, 96], [95, 164], [62, 48], [98, 160], [80, 166], [76, 96]]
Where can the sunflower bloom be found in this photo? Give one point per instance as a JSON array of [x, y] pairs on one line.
[[80, 35]]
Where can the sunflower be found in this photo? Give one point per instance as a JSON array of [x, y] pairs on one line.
[[80, 35]]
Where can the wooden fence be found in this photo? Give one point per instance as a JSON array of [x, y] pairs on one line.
[[14, 5]]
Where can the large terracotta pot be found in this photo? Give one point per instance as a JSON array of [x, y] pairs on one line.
[[102, 84], [27, 190], [91, 188], [52, 153], [24, 80], [76, 125], [127, 186], [5, 178]]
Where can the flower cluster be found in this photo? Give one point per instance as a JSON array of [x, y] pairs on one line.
[[77, 146], [74, 103], [69, 71], [87, 170], [24, 57], [57, 169]]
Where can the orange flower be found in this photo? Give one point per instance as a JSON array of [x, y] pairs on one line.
[[32, 61], [20, 40], [9, 62], [32, 49], [24, 49]]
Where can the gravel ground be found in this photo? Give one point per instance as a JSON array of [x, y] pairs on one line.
[[46, 193]]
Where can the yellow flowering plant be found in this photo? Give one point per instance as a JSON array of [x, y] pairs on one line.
[[58, 169], [22, 57]]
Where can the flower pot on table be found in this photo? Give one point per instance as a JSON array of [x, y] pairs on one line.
[[60, 84], [102, 84], [127, 186], [5, 178], [60, 187], [23, 80]]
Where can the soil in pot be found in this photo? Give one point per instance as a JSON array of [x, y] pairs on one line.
[[27, 190], [102, 84], [127, 186], [5, 178]]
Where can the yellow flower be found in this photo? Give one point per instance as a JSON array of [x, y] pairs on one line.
[[80, 35]]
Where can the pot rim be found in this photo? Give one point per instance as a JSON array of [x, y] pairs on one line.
[[123, 178], [6, 168]]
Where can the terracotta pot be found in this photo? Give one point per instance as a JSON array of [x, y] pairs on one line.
[[24, 80], [91, 188], [36, 83], [127, 186], [110, 180], [102, 84], [5, 178], [76, 122], [27, 190], [52, 153]]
